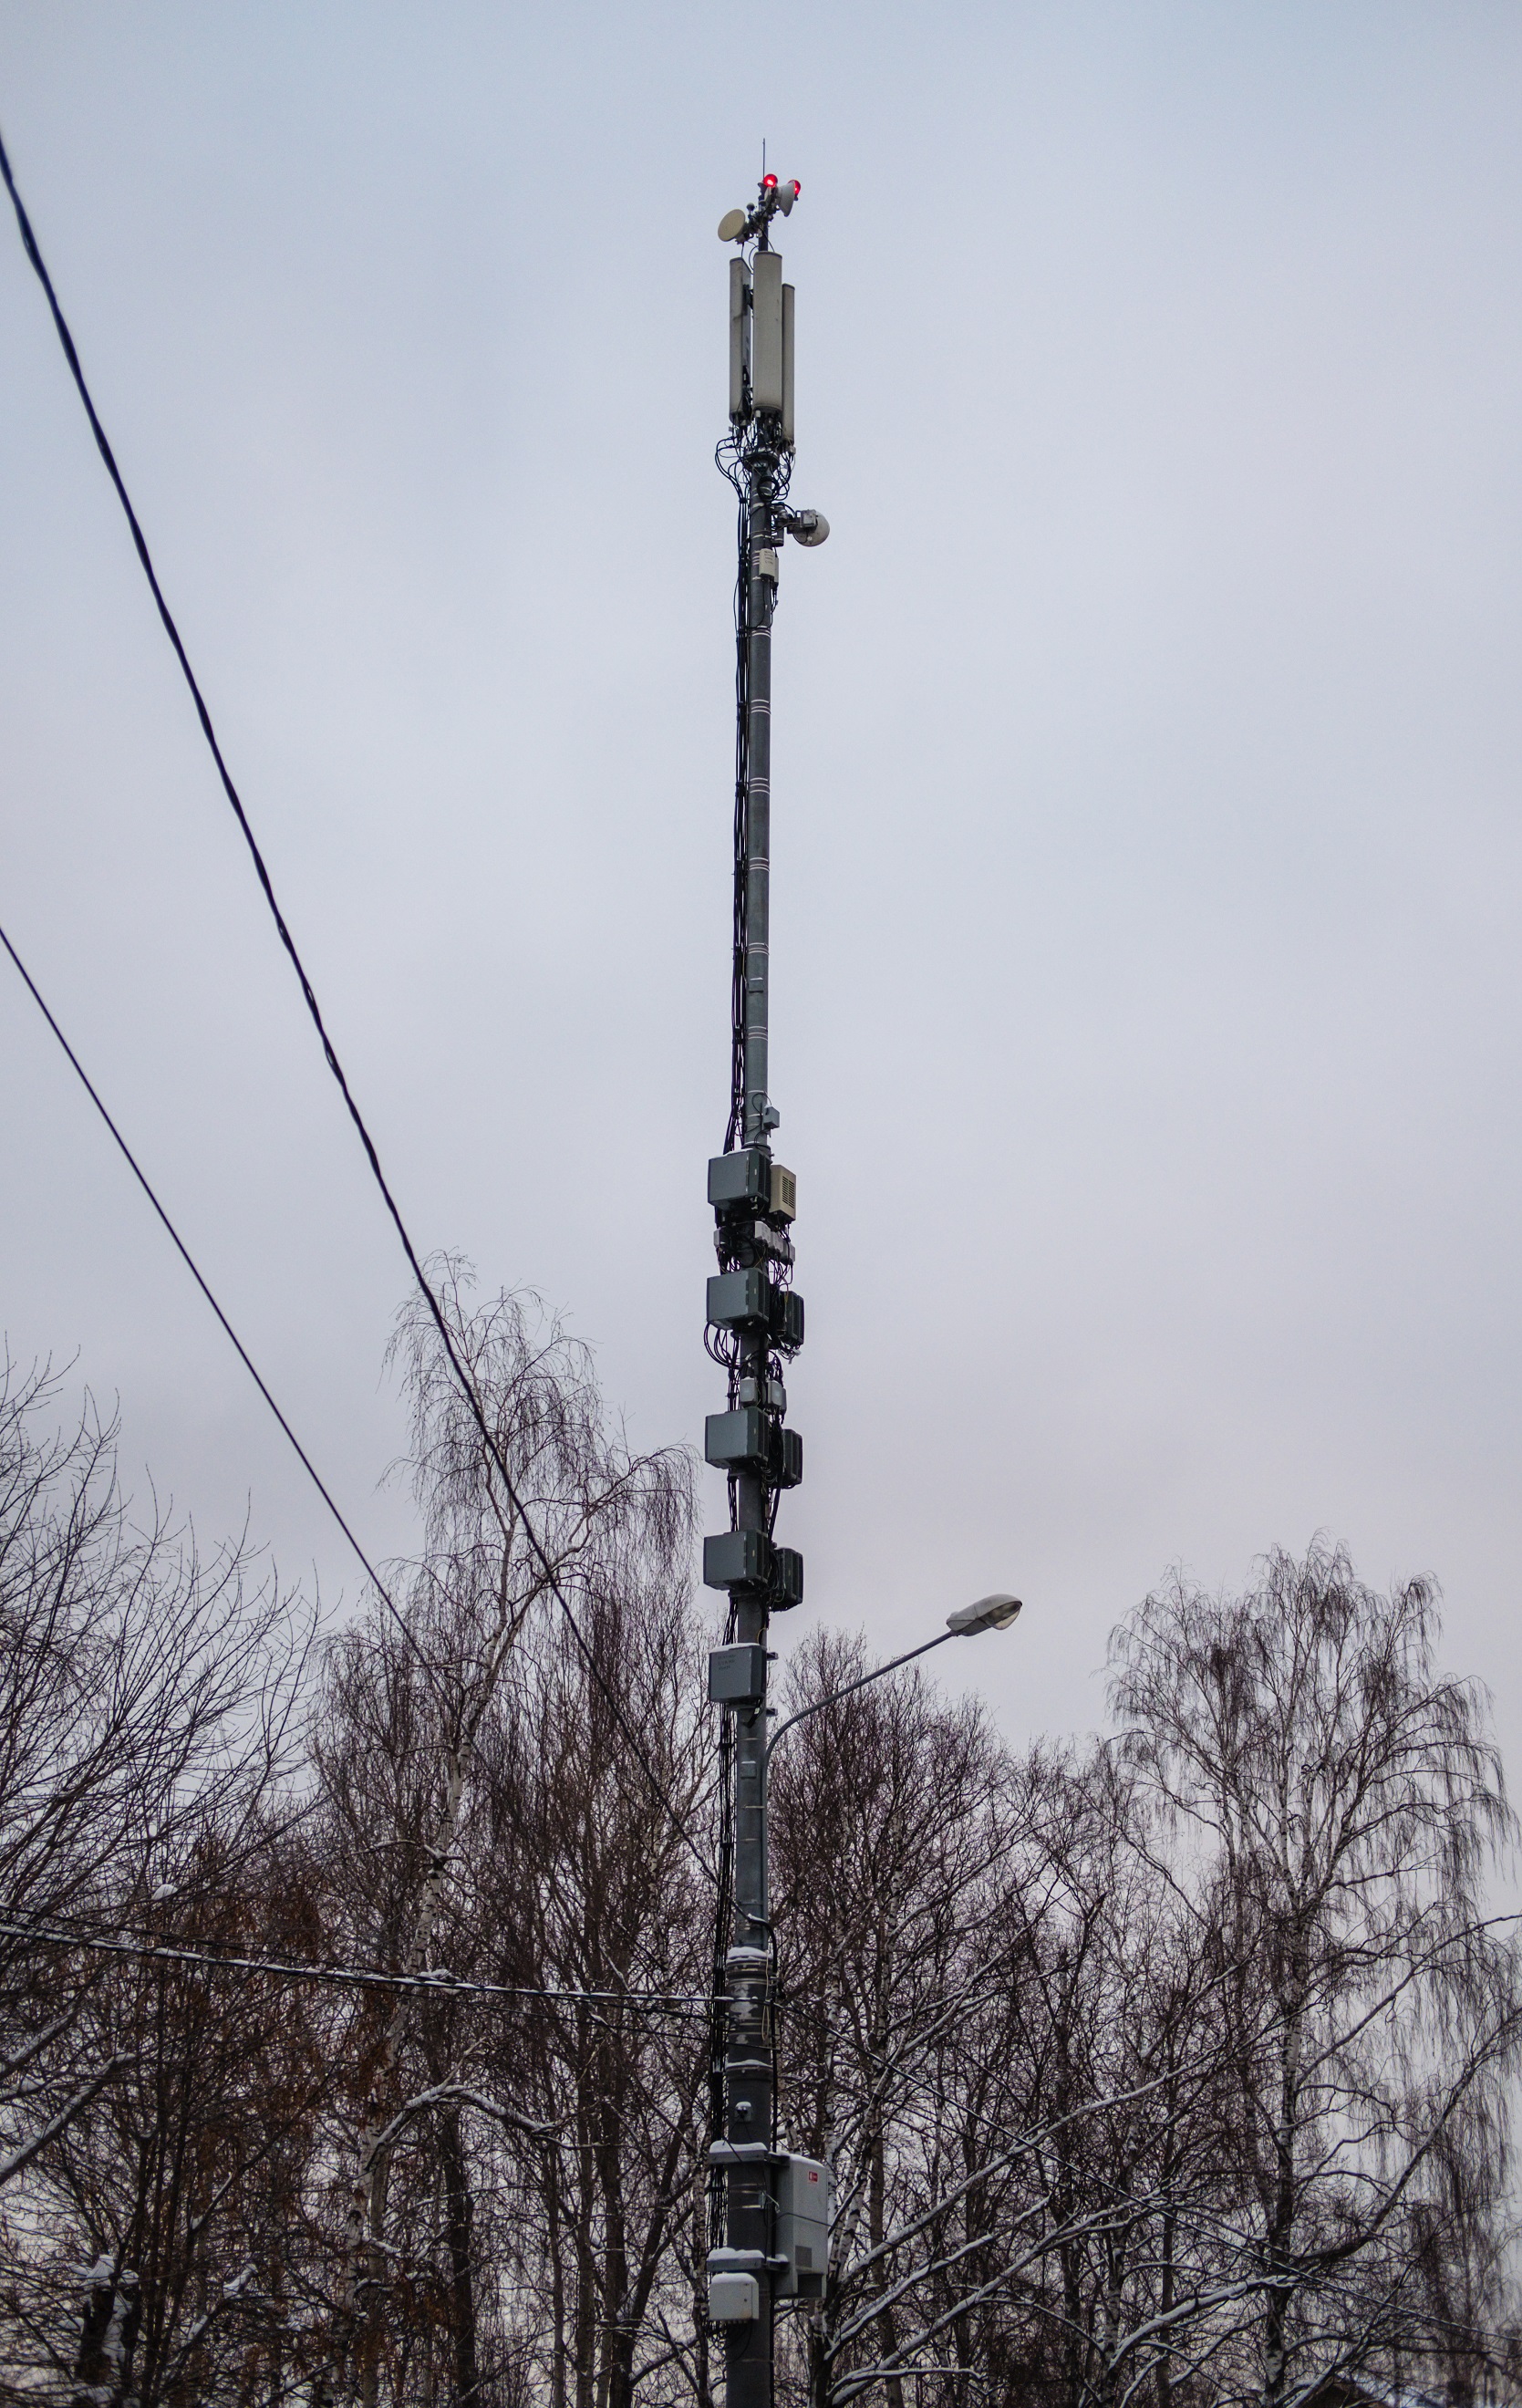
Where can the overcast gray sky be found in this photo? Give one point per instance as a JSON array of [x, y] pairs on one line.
[[1147, 866]]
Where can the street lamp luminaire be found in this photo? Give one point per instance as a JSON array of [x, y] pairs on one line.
[[993, 1613]]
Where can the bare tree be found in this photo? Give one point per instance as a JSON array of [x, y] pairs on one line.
[[893, 1815], [1171, 2069], [147, 1703], [587, 1887], [1334, 1803], [534, 1692], [1167, 2072]]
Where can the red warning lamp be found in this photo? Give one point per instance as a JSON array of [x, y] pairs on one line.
[[768, 184]]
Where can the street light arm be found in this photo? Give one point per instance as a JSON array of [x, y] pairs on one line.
[[878, 1673]]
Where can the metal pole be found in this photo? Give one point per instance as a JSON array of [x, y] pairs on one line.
[[748, 2059], [756, 1325]]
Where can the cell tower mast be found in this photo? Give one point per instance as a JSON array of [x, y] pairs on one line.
[[769, 2212]]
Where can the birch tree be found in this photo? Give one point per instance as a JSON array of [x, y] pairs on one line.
[[148, 1717], [573, 1537], [1334, 1803]]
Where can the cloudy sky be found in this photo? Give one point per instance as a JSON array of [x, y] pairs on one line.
[[1148, 874]]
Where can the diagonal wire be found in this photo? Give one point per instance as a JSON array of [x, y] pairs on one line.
[[192, 1266], [467, 1386]]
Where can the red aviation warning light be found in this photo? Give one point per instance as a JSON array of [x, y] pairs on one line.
[[743, 225]]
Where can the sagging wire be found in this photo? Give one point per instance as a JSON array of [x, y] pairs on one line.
[[474, 1404], [198, 1276], [434, 1982]]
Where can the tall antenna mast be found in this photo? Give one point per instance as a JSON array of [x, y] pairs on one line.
[[769, 2213]]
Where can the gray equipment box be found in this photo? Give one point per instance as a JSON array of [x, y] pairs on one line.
[[786, 1319], [787, 1579], [740, 1180], [739, 1300], [736, 1675], [734, 2299], [747, 1559], [804, 2203], [737, 1560], [730, 1441]]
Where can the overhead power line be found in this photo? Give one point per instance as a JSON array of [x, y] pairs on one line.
[[439, 1981], [462, 1378], [194, 1267]]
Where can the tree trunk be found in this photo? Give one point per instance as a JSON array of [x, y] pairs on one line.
[[460, 2218], [1280, 2230], [113, 2310], [557, 2283], [878, 2227]]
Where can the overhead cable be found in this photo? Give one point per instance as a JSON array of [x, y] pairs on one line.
[[466, 1385], [439, 1982], [194, 1267]]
